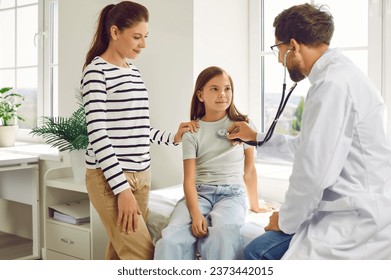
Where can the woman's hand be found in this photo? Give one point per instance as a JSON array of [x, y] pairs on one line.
[[199, 226], [128, 211], [191, 126]]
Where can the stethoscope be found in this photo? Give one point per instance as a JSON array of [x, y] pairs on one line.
[[224, 133]]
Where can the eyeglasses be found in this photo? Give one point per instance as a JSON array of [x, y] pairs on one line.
[[275, 49]]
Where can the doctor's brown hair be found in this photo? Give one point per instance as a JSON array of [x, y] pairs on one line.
[[197, 109], [307, 24], [125, 14]]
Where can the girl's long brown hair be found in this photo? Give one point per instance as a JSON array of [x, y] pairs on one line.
[[197, 109], [124, 15]]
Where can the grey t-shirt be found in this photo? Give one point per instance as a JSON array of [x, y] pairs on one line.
[[217, 160]]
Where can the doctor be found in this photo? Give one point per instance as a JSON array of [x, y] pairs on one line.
[[338, 204]]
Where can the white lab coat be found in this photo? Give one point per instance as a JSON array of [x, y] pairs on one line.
[[338, 202]]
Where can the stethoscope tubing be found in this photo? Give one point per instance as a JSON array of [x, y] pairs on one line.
[[280, 109], [279, 112]]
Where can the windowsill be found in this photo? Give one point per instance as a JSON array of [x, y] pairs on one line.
[[273, 180], [273, 170], [43, 151]]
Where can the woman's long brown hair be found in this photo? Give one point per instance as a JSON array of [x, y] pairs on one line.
[[124, 15]]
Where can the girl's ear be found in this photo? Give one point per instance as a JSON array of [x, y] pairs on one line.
[[114, 32], [200, 96]]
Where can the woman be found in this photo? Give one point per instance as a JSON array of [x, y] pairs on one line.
[[118, 174]]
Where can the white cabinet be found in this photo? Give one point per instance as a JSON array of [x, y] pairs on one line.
[[67, 241], [19, 206]]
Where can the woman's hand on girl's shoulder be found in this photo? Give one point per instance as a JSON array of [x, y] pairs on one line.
[[191, 126]]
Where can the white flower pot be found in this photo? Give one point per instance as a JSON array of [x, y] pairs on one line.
[[8, 135], [78, 160]]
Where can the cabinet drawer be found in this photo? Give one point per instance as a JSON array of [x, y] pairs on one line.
[[53, 255], [68, 240]]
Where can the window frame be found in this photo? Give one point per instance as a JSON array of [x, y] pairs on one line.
[[45, 89], [36, 41], [381, 23]]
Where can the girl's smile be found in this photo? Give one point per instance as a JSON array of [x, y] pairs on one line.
[[216, 96]]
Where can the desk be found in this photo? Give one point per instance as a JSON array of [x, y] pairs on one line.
[[19, 188]]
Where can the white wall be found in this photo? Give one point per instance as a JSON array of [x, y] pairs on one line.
[[185, 37], [166, 66], [76, 23], [221, 38]]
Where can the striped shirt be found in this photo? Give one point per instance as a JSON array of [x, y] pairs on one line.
[[117, 112]]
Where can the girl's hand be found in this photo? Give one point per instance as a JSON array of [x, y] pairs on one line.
[[263, 208], [199, 226], [128, 211], [191, 126]]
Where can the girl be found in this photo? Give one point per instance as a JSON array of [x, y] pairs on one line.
[[208, 219], [118, 174]]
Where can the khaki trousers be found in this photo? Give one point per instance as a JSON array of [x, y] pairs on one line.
[[122, 246]]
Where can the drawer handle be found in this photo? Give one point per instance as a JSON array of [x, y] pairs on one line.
[[67, 241]]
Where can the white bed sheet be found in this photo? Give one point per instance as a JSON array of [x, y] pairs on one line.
[[162, 202]]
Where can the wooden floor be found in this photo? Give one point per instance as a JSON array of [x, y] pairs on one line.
[[14, 247]]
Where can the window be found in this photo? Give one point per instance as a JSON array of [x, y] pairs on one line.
[[50, 99], [350, 35], [30, 28]]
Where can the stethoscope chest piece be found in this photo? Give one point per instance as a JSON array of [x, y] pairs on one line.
[[222, 133]]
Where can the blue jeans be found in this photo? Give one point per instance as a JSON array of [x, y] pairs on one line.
[[271, 245], [224, 207]]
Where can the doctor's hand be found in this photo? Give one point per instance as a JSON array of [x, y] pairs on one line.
[[191, 126], [199, 226], [241, 130], [128, 211], [273, 222]]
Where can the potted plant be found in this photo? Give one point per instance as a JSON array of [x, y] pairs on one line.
[[67, 134], [9, 105], [64, 133]]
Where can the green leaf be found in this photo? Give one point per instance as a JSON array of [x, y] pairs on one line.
[[65, 133], [9, 105]]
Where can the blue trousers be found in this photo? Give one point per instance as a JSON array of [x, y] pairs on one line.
[[271, 245], [224, 207]]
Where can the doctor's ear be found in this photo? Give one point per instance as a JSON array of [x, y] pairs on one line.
[[295, 45]]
